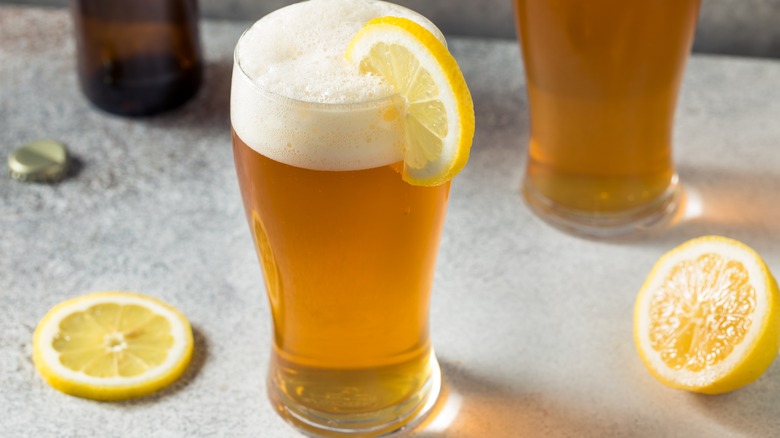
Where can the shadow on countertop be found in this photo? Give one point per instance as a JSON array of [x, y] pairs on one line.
[[473, 406], [728, 202], [200, 354]]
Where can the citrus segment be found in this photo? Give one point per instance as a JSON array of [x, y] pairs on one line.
[[439, 111], [707, 318], [112, 345]]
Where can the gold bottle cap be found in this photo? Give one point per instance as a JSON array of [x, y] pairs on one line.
[[40, 161]]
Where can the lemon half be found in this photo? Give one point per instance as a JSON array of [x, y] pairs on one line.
[[439, 116], [707, 319], [112, 345]]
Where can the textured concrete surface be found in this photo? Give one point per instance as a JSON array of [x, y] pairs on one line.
[[532, 326], [737, 27]]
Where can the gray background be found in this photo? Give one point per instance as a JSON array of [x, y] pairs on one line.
[[532, 326], [735, 27]]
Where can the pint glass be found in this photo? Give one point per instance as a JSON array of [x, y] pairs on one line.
[[602, 79], [347, 250]]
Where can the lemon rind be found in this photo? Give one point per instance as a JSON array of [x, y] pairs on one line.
[[448, 78], [64, 379], [751, 357]]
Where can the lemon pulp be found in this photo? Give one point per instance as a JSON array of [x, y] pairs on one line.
[[426, 118], [109, 340], [439, 112], [112, 345], [703, 310], [708, 316]]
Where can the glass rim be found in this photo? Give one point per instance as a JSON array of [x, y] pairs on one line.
[[378, 103]]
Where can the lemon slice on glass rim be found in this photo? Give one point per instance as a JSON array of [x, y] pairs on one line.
[[112, 345], [439, 116], [707, 319]]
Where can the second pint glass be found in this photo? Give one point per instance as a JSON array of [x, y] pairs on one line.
[[602, 78]]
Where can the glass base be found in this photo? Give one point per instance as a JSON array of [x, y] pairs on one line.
[[402, 416], [649, 218]]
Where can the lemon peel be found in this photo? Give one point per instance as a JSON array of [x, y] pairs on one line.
[[112, 345], [707, 319], [439, 117]]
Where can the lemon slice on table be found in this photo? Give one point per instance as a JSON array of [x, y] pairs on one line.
[[112, 345], [439, 111], [707, 319]]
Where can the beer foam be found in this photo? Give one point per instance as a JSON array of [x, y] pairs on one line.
[[297, 100]]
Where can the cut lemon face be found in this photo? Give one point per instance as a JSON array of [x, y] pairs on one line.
[[112, 346], [439, 112], [707, 318]]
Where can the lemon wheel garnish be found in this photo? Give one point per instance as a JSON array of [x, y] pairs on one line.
[[112, 346], [439, 111], [707, 319]]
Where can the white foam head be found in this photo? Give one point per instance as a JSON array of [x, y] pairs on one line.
[[297, 100]]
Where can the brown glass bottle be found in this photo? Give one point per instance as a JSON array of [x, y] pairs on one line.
[[137, 57]]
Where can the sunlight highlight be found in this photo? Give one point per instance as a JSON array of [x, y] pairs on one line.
[[694, 205], [446, 414]]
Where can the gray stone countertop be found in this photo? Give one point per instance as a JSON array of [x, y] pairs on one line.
[[533, 327]]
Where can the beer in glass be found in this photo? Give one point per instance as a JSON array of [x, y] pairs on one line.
[[347, 247], [602, 78]]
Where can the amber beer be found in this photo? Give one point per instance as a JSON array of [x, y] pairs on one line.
[[347, 247], [602, 81], [348, 259]]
